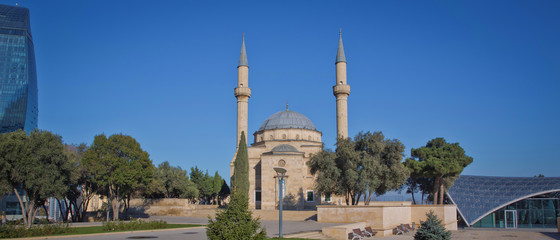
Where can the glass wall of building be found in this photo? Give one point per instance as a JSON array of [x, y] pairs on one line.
[[536, 212], [18, 77]]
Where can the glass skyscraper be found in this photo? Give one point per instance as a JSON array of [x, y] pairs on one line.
[[18, 77]]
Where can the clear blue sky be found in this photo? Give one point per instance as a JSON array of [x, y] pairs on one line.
[[485, 74]]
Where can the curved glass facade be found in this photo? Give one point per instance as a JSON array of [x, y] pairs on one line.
[[507, 202], [536, 212], [18, 77]]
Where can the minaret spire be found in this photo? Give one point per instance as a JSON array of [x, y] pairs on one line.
[[243, 55], [341, 90], [340, 53], [242, 93]]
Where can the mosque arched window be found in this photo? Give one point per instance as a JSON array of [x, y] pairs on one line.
[[283, 136], [297, 137], [309, 137], [271, 137]]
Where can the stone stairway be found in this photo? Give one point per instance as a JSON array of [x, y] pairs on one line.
[[308, 235]]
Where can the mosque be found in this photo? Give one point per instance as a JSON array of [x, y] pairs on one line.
[[286, 139]]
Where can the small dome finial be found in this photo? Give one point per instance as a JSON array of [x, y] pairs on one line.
[[287, 105]]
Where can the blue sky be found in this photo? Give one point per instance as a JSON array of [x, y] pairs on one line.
[[485, 74]]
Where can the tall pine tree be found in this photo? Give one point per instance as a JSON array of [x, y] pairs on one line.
[[241, 168]]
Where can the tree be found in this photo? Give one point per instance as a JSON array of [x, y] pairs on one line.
[[36, 164], [119, 165], [81, 188], [432, 229], [383, 166], [217, 186], [171, 182], [235, 222], [224, 192], [323, 166], [439, 161], [204, 183], [367, 165], [241, 168]]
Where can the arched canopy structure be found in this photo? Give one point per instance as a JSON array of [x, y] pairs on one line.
[[479, 196]]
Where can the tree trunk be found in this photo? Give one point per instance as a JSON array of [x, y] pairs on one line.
[[436, 190], [441, 193], [368, 198], [30, 212], [62, 213], [84, 204], [25, 220], [358, 198], [114, 203], [46, 211], [422, 197], [413, 200], [108, 208]]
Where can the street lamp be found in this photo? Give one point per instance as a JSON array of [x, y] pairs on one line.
[[280, 173]]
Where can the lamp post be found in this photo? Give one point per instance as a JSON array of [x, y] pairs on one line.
[[280, 173]]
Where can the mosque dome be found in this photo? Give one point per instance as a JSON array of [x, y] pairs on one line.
[[284, 148], [287, 119]]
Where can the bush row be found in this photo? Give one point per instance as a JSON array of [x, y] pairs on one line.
[[133, 224], [18, 230]]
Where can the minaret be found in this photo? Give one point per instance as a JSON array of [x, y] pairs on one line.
[[341, 91], [242, 93]]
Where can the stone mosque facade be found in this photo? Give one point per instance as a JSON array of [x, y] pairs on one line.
[[286, 139]]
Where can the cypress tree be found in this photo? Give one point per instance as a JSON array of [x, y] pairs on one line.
[[241, 168]]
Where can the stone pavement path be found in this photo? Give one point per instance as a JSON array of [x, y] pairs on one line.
[[308, 235], [491, 234]]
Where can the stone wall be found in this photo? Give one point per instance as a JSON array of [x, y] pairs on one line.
[[447, 213], [384, 216], [182, 207], [169, 207]]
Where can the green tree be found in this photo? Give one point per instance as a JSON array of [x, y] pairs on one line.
[[217, 187], [171, 182], [323, 166], [440, 161], [235, 222], [81, 188], [36, 164], [432, 229], [367, 165], [224, 192], [120, 166], [382, 163], [204, 183], [241, 168]]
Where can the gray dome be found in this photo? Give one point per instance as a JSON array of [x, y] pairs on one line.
[[287, 119], [284, 148]]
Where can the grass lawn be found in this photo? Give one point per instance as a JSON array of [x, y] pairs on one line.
[[99, 229]]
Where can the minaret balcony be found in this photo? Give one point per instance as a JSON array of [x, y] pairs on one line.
[[242, 91], [341, 89]]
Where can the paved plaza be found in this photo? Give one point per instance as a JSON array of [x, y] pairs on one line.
[[303, 229], [491, 234]]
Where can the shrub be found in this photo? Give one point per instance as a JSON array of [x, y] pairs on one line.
[[432, 229], [133, 224], [14, 230], [235, 222]]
